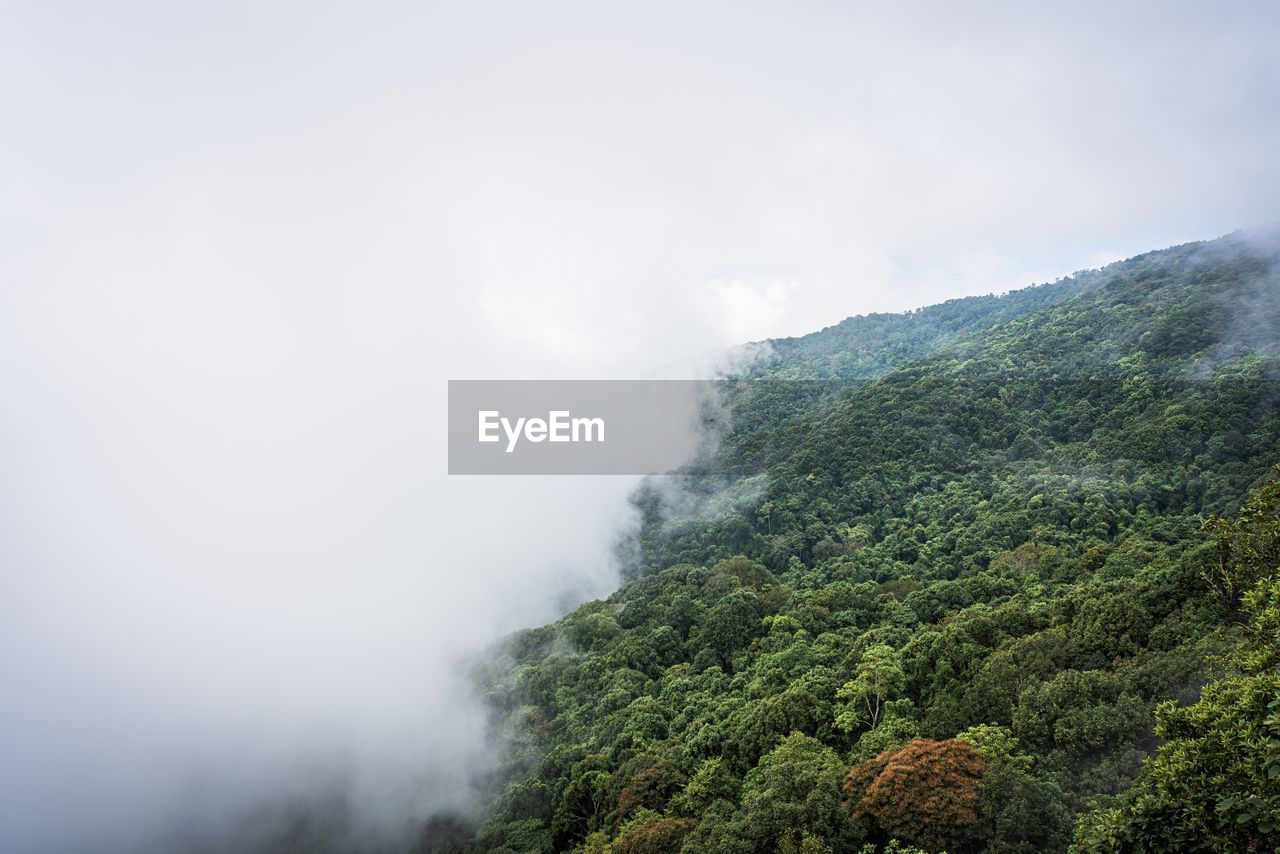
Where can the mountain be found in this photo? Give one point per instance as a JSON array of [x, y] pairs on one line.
[[948, 567]]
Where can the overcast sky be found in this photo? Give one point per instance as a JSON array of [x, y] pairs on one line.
[[244, 245]]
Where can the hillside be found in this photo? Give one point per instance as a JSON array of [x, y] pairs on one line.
[[939, 596]]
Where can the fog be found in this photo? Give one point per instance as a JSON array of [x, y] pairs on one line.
[[244, 246]]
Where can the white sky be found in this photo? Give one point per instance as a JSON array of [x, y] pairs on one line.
[[243, 245]]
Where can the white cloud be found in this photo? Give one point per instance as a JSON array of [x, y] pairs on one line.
[[743, 311], [1102, 258]]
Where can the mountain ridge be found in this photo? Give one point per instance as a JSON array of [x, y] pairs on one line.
[[989, 532]]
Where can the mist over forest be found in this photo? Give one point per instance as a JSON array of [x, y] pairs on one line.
[[992, 504], [1008, 584]]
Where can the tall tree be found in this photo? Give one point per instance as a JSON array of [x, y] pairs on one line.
[[878, 678]]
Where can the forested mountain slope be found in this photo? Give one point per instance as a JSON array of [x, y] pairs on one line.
[[938, 605], [866, 346]]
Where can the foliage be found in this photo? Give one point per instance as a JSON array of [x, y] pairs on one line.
[[653, 834], [1215, 784], [979, 543], [794, 790], [926, 792], [877, 678]]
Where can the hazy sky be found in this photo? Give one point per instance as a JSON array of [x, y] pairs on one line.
[[244, 245]]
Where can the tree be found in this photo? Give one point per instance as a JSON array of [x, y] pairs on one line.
[[1249, 547], [877, 678], [1021, 813], [926, 792], [793, 791], [584, 800], [647, 783], [709, 783], [651, 833], [729, 625]]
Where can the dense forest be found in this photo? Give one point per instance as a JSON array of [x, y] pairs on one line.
[[996, 575]]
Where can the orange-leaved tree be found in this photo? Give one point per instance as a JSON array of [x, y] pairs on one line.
[[925, 792]]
